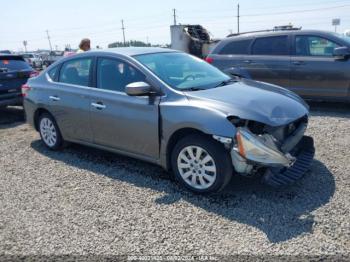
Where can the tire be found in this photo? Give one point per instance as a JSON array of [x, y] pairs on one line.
[[49, 132], [208, 170]]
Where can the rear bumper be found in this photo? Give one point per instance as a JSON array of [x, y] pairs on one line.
[[13, 101], [304, 153]]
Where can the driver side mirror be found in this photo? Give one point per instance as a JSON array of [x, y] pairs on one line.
[[139, 89], [341, 53]]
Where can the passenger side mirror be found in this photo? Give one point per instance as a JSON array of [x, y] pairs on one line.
[[341, 53], [139, 89]]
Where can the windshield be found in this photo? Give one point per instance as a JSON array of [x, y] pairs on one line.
[[344, 37], [182, 71]]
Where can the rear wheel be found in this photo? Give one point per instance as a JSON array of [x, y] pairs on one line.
[[49, 132], [201, 164]]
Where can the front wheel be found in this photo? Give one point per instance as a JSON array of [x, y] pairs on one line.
[[201, 164]]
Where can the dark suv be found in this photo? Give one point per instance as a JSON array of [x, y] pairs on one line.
[[314, 64], [14, 72]]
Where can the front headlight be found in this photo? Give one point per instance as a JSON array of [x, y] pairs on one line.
[[255, 149]]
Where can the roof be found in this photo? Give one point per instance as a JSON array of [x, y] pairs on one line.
[[131, 51], [280, 32]]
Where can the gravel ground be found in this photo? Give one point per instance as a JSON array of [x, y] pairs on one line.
[[85, 201]]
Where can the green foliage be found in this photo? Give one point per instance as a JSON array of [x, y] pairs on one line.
[[128, 43]]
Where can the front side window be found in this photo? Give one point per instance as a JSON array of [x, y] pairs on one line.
[[236, 48], [76, 72], [115, 75], [314, 46], [183, 71], [275, 45]]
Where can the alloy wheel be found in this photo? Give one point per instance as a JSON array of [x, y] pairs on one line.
[[196, 167], [48, 132]]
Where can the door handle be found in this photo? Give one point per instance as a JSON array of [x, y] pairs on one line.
[[98, 105], [298, 63], [54, 98]]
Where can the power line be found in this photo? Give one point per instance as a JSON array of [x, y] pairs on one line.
[[298, 11]]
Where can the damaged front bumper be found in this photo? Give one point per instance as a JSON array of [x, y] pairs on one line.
[[304, 154], [252, 153]]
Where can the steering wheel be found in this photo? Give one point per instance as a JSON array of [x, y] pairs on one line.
[[188, 78]]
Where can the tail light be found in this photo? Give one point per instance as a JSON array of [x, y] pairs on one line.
[[209, 60], [34, 74], [25, 89]]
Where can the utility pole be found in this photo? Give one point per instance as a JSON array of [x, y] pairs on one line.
[[174, 10], [123, 28], [25, 43], [238, 19], [48, 38]]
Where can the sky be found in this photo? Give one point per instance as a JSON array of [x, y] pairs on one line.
[[69, 21]]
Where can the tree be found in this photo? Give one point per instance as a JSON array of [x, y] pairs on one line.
[[128, 43]]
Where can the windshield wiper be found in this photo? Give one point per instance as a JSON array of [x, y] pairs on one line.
[[193, 89], [226, 82]]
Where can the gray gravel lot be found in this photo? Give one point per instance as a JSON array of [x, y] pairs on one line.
[[85, 201]]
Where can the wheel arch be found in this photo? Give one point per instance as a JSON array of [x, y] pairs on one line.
[[38, 112]]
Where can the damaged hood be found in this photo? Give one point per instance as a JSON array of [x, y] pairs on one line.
[[251, 100]]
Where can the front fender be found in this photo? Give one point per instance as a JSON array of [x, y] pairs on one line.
[[206, 120], [182, 115]]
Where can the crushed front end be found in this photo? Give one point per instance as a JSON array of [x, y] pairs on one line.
[[281, 154]]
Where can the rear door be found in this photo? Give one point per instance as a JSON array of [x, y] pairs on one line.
[[69, 98], [269, 60], [314, 71], [14, 72], [231, 54], [120, 121]]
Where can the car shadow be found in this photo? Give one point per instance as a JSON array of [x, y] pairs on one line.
[[333, 109], [11, 116], [281, 214]]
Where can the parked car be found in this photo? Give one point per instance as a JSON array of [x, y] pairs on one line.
[[8, 52], [174, 110], [53, 57], [14, 72], [314, 64], [34, 60]]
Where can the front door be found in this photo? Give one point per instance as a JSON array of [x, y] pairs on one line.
[[120, 121], [314, 71]]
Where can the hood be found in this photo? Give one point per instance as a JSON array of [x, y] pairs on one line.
[[251, 100]]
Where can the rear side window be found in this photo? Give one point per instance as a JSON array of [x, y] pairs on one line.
[[53, 74], [13, 64], [275, 45], [236, 48], [76, 72]]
